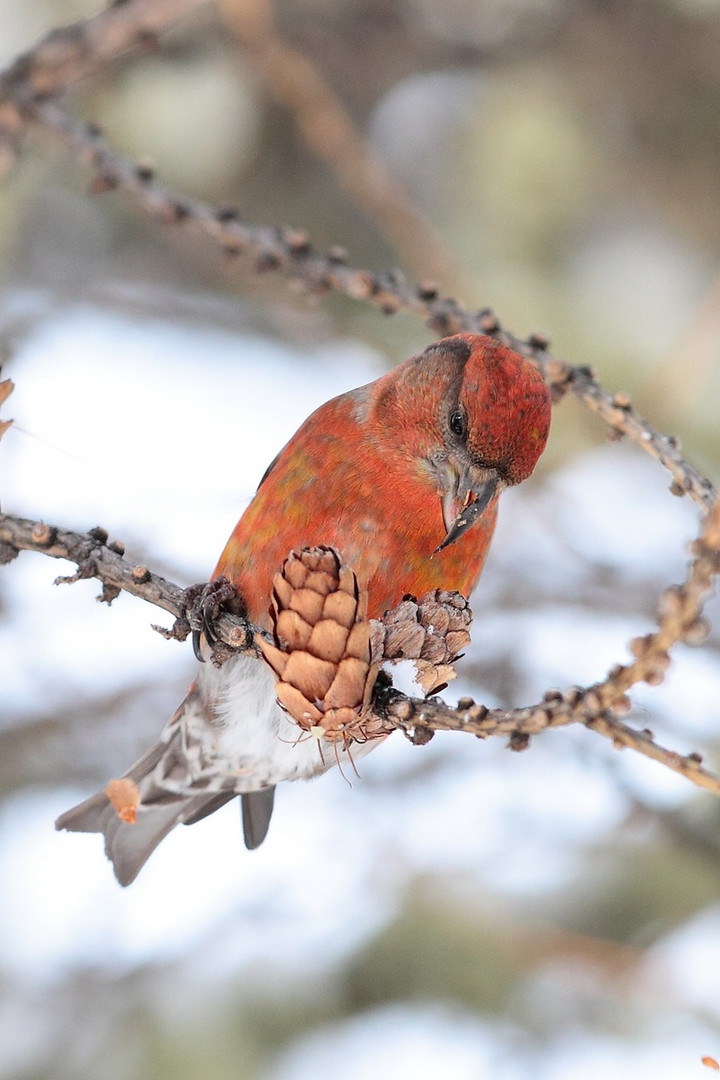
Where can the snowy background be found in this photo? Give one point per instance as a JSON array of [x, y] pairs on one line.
[[458, 910]]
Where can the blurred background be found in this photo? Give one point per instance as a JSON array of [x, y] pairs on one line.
[[458, 910]]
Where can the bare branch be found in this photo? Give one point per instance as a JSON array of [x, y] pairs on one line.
[[74, 52], [597, 706], [418, 719], [96, 558]]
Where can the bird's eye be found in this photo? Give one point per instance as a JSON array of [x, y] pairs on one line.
[[457, 424]]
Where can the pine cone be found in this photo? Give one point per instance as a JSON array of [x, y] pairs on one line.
[[322, 654], [432, 631]]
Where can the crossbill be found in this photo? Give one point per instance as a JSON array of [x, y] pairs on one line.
[[402, 478]]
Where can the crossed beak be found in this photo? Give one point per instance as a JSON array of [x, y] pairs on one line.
[[464, 498]]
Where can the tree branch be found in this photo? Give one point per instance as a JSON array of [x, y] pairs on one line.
[[71, 53], [597, 707], [96, 558], [74, 52], [418, 719]]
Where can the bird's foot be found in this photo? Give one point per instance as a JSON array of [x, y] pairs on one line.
[[203, 604]]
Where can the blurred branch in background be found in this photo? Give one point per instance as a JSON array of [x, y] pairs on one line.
[[290, 251], [75, 52], [295, 82]]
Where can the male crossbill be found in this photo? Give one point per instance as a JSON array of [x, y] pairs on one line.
[[401, 477]]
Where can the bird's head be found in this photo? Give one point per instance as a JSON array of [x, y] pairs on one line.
[[475, 415]]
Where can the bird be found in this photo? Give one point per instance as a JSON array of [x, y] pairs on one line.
[[401, 477]]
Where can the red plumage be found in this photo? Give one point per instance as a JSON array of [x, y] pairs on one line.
[[401, 477]]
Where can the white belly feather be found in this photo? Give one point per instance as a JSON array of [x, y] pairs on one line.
[[252, 734]]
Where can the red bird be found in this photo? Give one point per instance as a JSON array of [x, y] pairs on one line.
[[401, 477]]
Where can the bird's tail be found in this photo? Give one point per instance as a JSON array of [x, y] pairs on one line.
[[157, 809]]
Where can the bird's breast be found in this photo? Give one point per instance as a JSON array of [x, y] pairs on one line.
[[380, 511]]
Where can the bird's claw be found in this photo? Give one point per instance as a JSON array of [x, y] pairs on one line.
[[203, 604]]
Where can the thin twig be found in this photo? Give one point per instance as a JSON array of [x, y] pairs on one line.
[[558, 709], [71, 53]]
